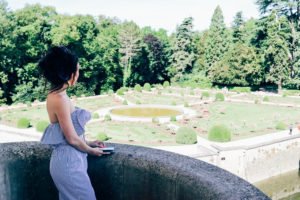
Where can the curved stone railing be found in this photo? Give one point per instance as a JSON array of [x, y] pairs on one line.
[[131, 173]]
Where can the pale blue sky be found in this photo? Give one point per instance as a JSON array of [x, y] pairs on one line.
[[165, 14]]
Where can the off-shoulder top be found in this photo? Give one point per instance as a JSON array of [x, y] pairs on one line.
[[53, 134]]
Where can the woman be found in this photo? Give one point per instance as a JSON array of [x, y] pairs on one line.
[[68, 164]]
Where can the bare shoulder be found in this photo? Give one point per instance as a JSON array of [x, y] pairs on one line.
[[57, 102]]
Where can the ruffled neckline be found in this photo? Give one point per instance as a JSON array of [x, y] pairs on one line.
[[76, 108]]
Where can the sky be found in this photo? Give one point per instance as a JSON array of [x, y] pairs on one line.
[[166, 14]]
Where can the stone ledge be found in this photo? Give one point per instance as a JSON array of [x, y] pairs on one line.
[[133, 172]]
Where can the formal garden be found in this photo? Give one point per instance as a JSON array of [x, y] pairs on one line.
[[218, 116]]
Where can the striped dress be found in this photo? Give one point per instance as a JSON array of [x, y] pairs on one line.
[[68, 166]]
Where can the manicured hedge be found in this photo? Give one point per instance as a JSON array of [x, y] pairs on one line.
[[186, 135], [219, 133], [42, 125]]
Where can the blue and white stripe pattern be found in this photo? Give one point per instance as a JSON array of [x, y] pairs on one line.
[[68, 166]]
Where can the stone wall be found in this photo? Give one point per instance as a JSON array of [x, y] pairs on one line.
[[131, 173]]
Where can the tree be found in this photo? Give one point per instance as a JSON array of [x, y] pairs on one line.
[[130, 41], [183, 56], [238, 27], [291, 10], [276, 50], [158, 61], [239, 67], [218, 40]]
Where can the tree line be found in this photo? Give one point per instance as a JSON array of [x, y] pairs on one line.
[[114, 54]]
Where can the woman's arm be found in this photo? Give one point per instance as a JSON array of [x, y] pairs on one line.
[[62, 110]]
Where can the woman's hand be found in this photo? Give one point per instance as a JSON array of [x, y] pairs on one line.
[[95, 151], [96, 143]]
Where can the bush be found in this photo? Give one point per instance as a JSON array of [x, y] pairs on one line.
[[23, 123], [173, 103], [95, 116], [107, 117], [220, 97], [138, 102], [28, 103], [42, 125], [186, 135], [173, 118], [110, 92], [138, 88], [241, 89], [125, 102], [186, 104], [102, 136], [256, 101], [120, 91], [182, 94], [281, 126], [159, 92], [147, 87], [219, 133], [284, 94], [169, 90], [154, 120], [266, 99], [166, 84], [192, 93], [205, 94]]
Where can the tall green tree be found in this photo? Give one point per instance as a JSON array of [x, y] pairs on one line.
[[238, 27], [218, 41], [158, 61], [240, 66], [130, 39], [291, 10], [276, 49], [183, 56]]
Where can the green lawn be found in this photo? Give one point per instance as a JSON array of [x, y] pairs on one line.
[[158, 99], [273, 99], [35, 114], [244, 120], [146, 134]]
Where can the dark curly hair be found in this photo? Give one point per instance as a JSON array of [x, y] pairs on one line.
[[58, 66]]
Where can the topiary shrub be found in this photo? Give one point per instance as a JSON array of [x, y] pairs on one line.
[[95, 116], [219, 97], [120, 91], [266, 99], [241, 89], [173, 118], [28, 103], [110, 92], [102, 136], [23, 123], [280, 126], [159, 92], [125, 102], [186, 104], [173, 103], [169, 90], [138, 88], [138, 102], [147, 87], [166, 84], [186, 135], [107, 117], [154, 120], [205, 95], [256, 101], [42, 125], [192, 93], [219, 133]]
